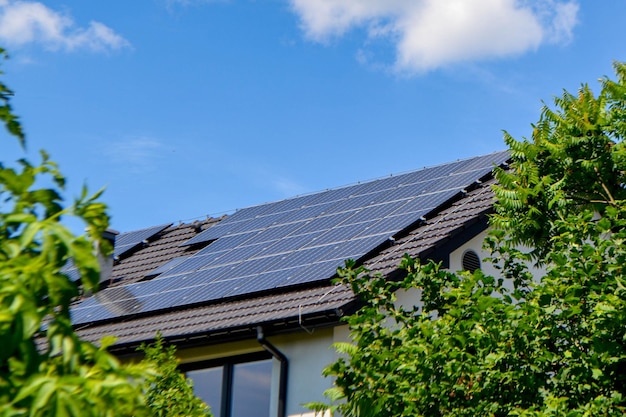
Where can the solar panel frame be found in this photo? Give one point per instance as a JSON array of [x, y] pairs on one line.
[[209, 292], [323, 223], [212, 233], [211, 274], [293, 242], [356, 202], [194, 263], [250, 266], [238, 255], [90, 313], [273, 233], [425, 203], [404, 192], [306, 213], [374, 212], [431, 174], [341, 233], [356, 247], [230, 241], [319, 271], [167, 266], [390, 225], [305, 256], [453, 182]]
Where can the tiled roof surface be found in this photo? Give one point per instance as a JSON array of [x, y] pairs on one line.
[[160, 249], [272, 311]]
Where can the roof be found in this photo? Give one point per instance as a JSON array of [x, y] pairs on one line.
[[443, 203], [441, 229], [155, 251]]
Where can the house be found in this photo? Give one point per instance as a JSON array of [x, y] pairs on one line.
[[248, 299]]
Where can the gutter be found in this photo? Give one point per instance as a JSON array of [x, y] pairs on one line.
[[284, 366]]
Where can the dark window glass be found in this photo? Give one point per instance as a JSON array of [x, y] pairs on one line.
[[251, 389], [240, 387], [207, 384]]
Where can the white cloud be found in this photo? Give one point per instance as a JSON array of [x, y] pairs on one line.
[[24, 22], [429, 34], [286, 186], [136, 155], [563, 22]]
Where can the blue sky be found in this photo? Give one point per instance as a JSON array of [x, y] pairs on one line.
[[188, 108]]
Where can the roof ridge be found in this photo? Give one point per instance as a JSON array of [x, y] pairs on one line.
[[225, 213], [367, 181]]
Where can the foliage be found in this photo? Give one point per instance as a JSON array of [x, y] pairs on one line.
[[168, 392], [512, 346], [575, 162], [45, 369], [7, 116]]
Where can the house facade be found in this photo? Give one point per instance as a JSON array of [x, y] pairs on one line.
[[249, 298]]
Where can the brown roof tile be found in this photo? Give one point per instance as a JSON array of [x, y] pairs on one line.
[[162, 248], [276, 311]]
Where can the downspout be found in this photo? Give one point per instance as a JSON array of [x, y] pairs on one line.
[[284, 366]]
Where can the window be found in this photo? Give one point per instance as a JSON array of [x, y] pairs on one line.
[[235, 387]]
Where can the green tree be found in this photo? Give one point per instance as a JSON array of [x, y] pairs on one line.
[[168, 392], [574, 163], [45, 369], [550, 346]]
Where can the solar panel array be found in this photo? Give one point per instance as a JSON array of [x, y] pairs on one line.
[[290, 242], [71, 270], [126, 242]]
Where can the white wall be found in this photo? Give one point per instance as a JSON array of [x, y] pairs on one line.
[[308, 355], [476, 244], [310, 352]]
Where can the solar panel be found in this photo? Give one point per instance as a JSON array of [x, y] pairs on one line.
[[306, 213], [206, 275], [207, 292], [167, 266], [71, 270], [90, 310], [194, 263], [339, 234], [252, 266], [356, 202], [323, 223], [241, 254], [290, 242], [374, 212], [391, 224], [311, 273], [275, 232], [355, 247], [125, 242], [404, 192], [423, 204]]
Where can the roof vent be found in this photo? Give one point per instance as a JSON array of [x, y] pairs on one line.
[[196, 226], [471, 261]]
